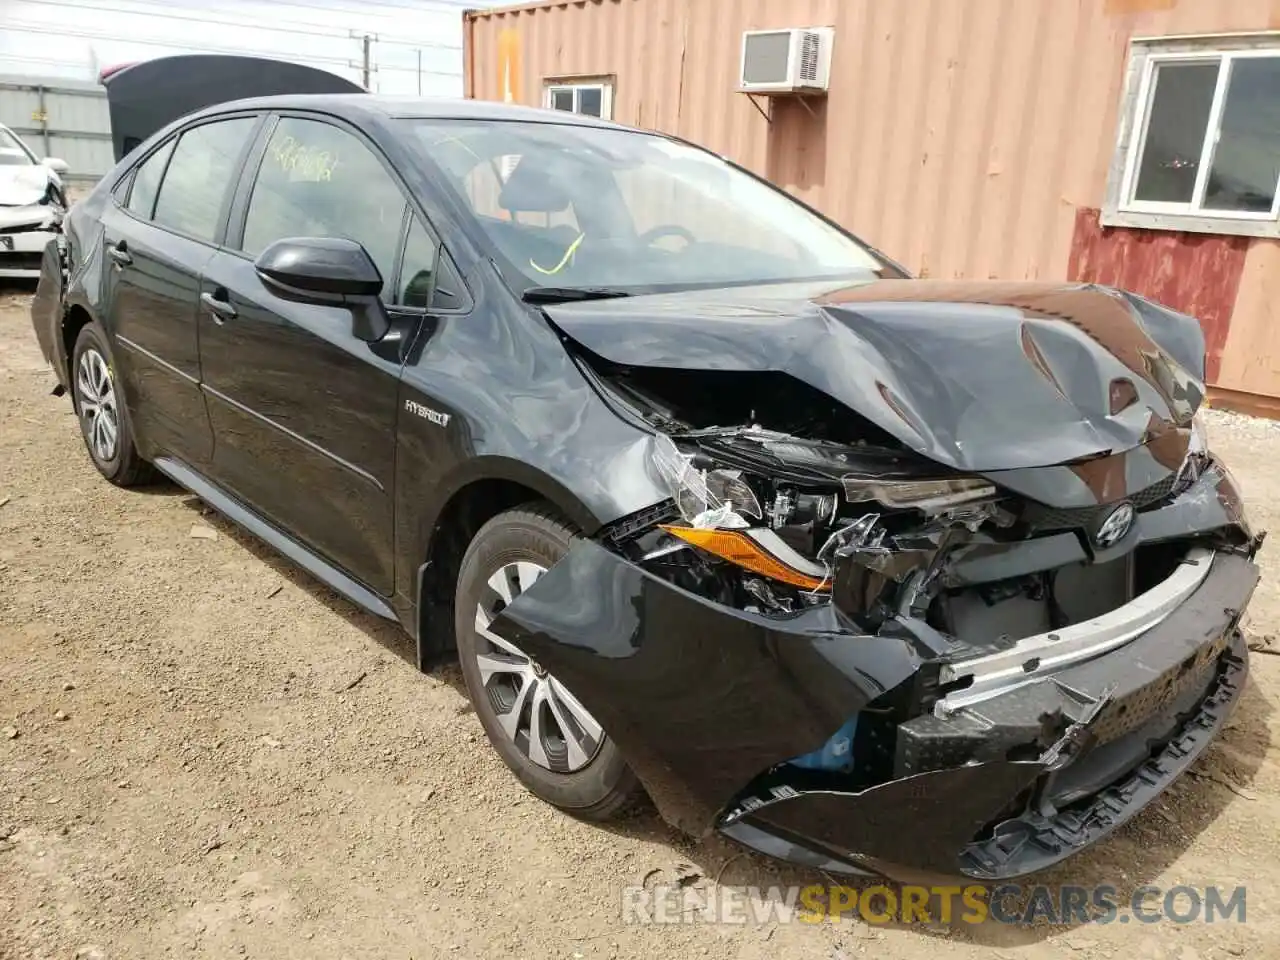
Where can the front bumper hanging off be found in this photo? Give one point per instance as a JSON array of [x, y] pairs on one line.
[[710, 705], [1176, 684]]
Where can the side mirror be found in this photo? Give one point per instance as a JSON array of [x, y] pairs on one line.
[[56, 165], [331, 271]]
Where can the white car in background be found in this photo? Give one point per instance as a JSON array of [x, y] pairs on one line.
[[32, 201]]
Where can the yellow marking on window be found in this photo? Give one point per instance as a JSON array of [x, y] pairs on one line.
[[309, 163]]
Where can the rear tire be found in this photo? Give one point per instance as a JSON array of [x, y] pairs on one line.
[[564, 758], [100, 408]]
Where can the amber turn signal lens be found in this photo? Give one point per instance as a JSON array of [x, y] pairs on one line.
[[740, 549]]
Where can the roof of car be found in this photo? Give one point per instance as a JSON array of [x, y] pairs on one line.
[[411, 107]]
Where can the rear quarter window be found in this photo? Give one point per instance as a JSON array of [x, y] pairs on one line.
[[146, 182]]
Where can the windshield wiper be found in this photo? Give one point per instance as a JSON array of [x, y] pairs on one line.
[[566, 294]]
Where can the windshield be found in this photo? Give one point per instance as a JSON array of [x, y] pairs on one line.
[[12, 152], [576, 206]]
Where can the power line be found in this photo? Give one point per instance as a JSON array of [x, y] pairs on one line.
[[283, 26], [171, 44], [417, 8], [459, 5], [381, 67], [349, 64], [168, 15], [50, 60], [379, 38]]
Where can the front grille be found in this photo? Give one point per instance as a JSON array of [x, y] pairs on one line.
[[19, 261], [1071, 518], [25, 227]]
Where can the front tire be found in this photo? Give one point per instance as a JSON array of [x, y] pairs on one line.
[[99, 406], [548, 739]]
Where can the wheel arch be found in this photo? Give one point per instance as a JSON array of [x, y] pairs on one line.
[[481, 490], [75, 319]]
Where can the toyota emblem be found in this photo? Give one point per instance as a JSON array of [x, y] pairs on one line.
[[1115, 527]]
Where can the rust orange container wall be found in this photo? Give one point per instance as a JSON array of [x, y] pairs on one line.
[[968, 139], [1198, 274]]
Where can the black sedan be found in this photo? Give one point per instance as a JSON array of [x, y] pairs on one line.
[[712, 500]]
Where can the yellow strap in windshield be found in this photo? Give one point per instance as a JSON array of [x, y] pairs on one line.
[[459, 142], [563, 260]]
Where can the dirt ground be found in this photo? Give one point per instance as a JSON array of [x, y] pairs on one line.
[[205, 753]]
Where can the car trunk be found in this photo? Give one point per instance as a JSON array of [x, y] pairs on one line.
[[144, 97]]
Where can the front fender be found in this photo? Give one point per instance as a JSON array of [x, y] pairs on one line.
[[700, 698], [495, 467], [497, 398]]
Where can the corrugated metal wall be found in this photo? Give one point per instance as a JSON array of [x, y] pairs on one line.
[[59, 118], [960, 136]]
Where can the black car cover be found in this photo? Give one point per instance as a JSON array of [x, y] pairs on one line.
[[143, 97]]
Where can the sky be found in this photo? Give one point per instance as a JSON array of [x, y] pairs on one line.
[[415, 46]]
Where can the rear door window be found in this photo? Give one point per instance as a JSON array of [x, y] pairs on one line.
[[196, 180], [318, 180]]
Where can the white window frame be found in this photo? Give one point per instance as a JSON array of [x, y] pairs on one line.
[[1146, 55], [576, 87]]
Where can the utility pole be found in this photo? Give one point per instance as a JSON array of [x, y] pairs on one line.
[[364, 45]]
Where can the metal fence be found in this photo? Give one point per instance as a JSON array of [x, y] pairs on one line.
[[61, 118]]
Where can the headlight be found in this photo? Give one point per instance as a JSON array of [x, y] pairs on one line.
[[716, 503], [789, 542], [926, 495], [796, 537], [705, 498], [896, 487]]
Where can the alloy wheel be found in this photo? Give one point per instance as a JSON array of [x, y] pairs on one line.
[[98, 411], [545, 720]]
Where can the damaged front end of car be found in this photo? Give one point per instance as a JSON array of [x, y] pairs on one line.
[[31, 212], [840, 653]]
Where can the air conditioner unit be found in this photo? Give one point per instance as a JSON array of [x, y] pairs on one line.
[[797, 60]]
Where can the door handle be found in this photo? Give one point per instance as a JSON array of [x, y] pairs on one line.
[[120, 254], [219, 308]]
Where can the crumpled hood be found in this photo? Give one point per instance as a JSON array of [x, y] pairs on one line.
[[25, 185], [975, 375]]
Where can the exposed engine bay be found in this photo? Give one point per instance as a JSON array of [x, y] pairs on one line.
[[770, 511]]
